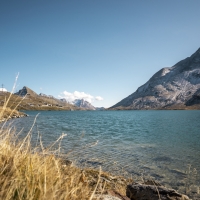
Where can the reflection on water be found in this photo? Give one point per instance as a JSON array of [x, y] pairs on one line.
[[163, 145]]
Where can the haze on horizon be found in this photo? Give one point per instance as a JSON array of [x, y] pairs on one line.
[[102, 50]]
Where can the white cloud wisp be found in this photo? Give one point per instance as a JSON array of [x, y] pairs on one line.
[[79, 95], [98, 98]]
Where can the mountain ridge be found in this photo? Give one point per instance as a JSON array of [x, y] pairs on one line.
[[34, 101], [170, 87], [26, 91]]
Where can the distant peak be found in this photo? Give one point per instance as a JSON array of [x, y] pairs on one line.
[[198, 51], [196, 55], [25, 90], [83, 104]]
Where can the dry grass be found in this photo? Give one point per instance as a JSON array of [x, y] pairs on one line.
[[28, 173], [9, 113], [34, 173], [34, 103]]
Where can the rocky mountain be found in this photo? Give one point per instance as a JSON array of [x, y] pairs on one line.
[[63, 100], [26, 91], [81, 103], [33, 101], [100, 108], [176, 87], [49, 96]]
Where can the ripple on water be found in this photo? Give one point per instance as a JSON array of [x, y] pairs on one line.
[[159, 144]]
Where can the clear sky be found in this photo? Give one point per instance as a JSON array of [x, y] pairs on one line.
[[98, 48]]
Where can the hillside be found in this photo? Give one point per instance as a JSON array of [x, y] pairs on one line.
[[176, 87], [30, 100]]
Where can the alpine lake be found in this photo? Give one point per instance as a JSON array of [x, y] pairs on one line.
[[161, 145]]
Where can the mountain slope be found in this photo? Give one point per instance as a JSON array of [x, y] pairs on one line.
[[26, 91], [33, 101], [172, 87]]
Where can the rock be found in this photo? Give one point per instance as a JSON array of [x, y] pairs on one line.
[[65, 161], [151, 182], [140, 191], [68, 162], [195, 99], [26, 91]]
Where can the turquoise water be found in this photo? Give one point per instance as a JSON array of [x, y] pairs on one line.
[[161, 145]]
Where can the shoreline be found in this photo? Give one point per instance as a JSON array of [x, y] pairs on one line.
[[87, 183], [8, 114], [128, 190]]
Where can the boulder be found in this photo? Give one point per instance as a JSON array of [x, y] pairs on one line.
[[138, 191]]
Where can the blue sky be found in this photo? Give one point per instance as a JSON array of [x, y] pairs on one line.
[[102, 48]]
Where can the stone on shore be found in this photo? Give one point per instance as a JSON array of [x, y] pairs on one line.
[[138, 191]]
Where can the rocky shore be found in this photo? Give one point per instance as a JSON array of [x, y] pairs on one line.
[[144, 191], [117, 188], [120, 188], [8, 114]]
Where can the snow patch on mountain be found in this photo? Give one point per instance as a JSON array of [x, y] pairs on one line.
[[81, 103]]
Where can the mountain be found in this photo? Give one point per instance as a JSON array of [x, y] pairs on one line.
[[49, 96], [33, 101], [176, 87], [26, 91], [100, 108], [81, 103]]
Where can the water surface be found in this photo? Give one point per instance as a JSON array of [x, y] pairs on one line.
[[162, 145]]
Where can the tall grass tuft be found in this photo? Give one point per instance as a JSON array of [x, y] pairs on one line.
[[38, 173], [28, 173]]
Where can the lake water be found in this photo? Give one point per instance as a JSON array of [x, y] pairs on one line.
[[161, 145]]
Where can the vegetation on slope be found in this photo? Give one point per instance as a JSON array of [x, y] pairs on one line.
[[30, 102]]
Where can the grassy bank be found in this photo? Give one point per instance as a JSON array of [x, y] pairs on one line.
[[7, 113]]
